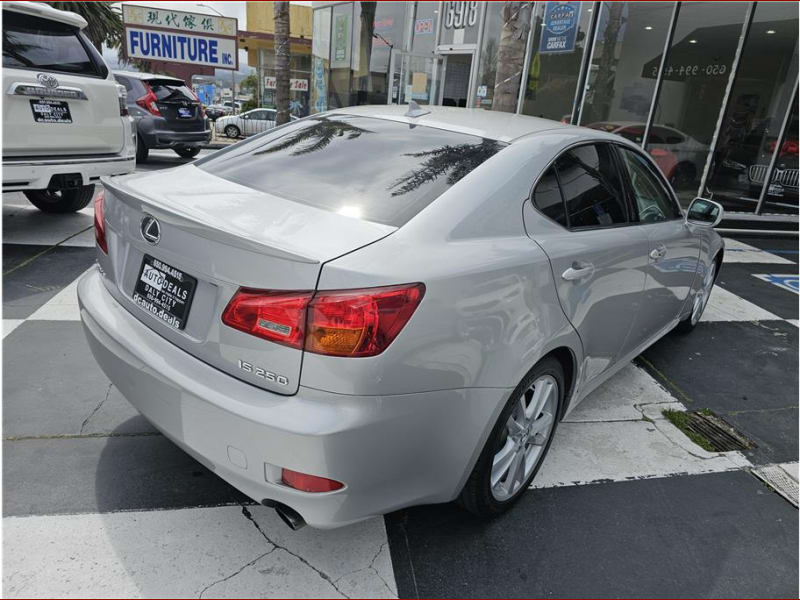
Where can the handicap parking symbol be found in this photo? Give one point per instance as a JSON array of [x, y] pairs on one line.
[[787, 282]]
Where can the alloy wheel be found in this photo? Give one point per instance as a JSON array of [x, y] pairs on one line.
[[524, 438]]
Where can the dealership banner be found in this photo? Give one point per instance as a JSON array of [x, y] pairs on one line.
[[560, 27], [180, 37]]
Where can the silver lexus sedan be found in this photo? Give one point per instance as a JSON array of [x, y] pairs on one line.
[[377, 307]]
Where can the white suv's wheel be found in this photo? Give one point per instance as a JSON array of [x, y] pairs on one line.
[[61, 201]]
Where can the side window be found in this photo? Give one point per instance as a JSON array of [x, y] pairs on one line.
[[547, 197], [591, 187], [653, 202]]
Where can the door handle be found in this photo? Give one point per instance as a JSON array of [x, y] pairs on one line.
[[658, 253], [577, 271]]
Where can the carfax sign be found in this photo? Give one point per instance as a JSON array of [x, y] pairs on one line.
[[180, 37], [560, 27]]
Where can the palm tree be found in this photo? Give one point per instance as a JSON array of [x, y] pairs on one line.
[[104, 19], [511, 55], [316, 137], [282, 55]]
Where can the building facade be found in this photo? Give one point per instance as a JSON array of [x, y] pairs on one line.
[[259, 41], [709, 89]]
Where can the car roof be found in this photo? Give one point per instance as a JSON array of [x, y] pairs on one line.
[[44, 11], [147, 76], [496, 125]]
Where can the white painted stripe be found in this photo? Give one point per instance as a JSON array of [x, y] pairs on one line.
[[780, 477], [216, 552], [726, 306], [738, 252], [10, 325], [61, 307], [619, 433], [794, 322]]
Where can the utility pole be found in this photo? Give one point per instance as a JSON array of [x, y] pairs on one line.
[[233, 73]]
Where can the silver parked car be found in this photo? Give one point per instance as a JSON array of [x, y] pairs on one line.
[[371, 308]]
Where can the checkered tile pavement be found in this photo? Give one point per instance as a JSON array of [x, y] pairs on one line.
[[97, 503]]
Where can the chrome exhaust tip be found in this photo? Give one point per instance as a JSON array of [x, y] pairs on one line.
[[287, 514]]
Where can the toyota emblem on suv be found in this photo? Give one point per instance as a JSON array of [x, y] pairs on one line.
[[47, 80], [151, 230]]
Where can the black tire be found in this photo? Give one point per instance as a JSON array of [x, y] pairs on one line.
[[686, 326], [187, 151], [232, 131], [142, 151], [61, 201], [477, 497]]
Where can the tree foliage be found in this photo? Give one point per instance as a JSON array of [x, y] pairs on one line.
[[104, 21]]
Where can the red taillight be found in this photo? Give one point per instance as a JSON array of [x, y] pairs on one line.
[[342, 323], [276, 316], [149, 102], [309, 483], [100, 222], [360, 322]]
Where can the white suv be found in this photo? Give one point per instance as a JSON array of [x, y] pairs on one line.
[[65, 119]]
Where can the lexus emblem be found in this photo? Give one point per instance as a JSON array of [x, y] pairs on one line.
[[151, 230], [47, 80]]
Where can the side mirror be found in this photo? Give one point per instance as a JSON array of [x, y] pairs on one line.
[[705, 213]]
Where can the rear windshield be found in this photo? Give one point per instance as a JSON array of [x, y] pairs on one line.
[[373, 169], [169, 90], [33, 43]]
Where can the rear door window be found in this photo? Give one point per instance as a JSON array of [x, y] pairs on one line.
[[33, 43], [653, 202], [547, 197], [373, 169], [592, 187]]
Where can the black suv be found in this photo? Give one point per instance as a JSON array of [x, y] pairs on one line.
[[167, 112]]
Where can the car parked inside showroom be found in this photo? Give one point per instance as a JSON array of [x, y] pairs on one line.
[[65, 119], [168, 114], [383, 306], [247, 123]]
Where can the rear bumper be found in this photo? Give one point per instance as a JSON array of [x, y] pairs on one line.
[[390, 451], [170, 139], [157, 133], [35, 173]]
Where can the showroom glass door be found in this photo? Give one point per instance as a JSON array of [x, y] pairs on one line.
[[456, 80]]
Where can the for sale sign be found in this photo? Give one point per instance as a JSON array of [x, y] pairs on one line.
[[180, 37]]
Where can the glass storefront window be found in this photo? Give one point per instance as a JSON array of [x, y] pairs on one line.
[[341, 44], [500, 92], [380, 30], [559, 40], [782, 194], [619, 90], [320, 50], [695, 77], [425, 23], [759, 98]]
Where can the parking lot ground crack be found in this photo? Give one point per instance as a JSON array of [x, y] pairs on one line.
[[96, 408], [237, 572], [45, 251], [371, 567], [670, 385], [74, 436], [249, 516]]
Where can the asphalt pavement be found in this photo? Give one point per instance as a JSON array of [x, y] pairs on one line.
[[97, 503]]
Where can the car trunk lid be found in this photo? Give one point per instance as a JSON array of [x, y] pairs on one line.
[[225, 236], [177, 104]]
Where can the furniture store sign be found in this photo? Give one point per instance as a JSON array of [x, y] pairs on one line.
[[180, 37], [560, 27]]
